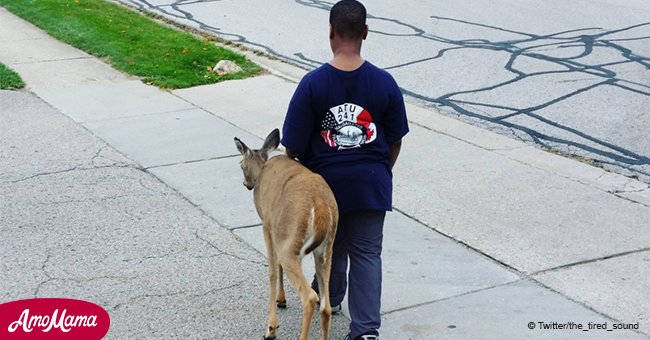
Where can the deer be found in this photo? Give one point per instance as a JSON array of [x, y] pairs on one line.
[[299, 216]]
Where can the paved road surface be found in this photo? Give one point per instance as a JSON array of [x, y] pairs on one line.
[[573, 76], [107, 205]]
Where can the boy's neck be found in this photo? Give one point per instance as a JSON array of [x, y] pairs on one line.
[[347, 63], [347, 57]]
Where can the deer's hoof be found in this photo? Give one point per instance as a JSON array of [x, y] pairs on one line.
[[281, 304], [270, 334]]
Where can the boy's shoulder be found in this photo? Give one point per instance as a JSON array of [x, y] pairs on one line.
[[317, 72], [326, 69], [381, 76], [380, 72]]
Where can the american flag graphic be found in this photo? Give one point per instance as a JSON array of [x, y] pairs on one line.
[[327, 136], [328, 124]]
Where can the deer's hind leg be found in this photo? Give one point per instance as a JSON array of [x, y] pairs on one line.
[[272, 325], [323, 263], [281, 299], [293, 268]]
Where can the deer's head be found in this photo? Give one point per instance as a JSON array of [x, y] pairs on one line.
[[253, 160]]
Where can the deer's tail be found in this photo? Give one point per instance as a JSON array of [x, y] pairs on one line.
[[321, 219]]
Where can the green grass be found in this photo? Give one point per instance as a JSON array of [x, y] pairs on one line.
[[131, 42], [9, 80]]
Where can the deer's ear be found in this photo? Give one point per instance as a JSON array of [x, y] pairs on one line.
[[272, 141], [243, 149]]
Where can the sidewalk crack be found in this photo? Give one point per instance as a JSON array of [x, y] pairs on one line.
[[52, 60], [192, 161], [578, 263], [452, 297]]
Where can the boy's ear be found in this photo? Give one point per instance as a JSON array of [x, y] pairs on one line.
[[331, 32], [365, 33], [241, 146], [272, 141]]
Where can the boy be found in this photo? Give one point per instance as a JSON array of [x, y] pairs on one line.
[[346, 121]]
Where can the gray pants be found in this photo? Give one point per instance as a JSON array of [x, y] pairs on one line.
[[358, 238]]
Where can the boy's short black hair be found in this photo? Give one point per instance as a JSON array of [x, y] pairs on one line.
[[348, 19]]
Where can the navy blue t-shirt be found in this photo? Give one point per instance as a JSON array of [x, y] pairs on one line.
[[342, 125]]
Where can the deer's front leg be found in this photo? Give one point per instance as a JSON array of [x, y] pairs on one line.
[[272, 324]]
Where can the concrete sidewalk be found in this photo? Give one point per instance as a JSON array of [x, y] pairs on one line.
[[488, 234]]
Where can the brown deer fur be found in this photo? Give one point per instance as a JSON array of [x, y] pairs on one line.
[[299, 215]]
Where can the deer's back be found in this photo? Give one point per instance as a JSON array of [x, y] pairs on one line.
[[287, 189]]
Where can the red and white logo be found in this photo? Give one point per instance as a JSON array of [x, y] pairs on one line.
[[53, 318], [348, 126]]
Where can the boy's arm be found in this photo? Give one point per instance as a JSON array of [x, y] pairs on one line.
[[299, 121], [394, 152], [395, 123]]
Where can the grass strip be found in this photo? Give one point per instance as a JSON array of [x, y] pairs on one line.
[[131, 42], [9, 80]]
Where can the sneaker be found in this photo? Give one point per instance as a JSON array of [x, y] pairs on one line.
[[367, 336], [336, 310]]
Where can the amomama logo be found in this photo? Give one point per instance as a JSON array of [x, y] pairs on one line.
[[52, 318]]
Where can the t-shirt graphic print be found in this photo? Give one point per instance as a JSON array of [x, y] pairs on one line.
[[348, 126]]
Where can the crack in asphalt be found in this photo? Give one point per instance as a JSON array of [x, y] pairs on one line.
[[88, 200], [75, 168], [47, 173], [214, 246], [47, 275], [188, 293], [140, 260], [51, 278], [81, 167]]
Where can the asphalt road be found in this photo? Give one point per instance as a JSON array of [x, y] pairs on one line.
[[101, 202], [570, 76]]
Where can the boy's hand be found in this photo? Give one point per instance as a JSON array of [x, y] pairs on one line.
[[292, 154]]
